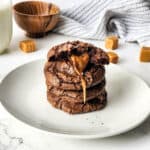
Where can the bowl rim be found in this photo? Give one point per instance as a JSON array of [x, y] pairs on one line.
[[35, 1]]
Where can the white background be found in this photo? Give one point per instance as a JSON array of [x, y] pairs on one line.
[[138, 139]]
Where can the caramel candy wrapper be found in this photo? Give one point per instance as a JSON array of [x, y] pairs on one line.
[[27, 46], [111, 42], [145, 54], [113, 57]]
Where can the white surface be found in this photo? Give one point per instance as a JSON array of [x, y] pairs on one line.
[[20, 89], [137, 139]]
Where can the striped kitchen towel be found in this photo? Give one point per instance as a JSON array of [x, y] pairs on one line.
[[96, 19]]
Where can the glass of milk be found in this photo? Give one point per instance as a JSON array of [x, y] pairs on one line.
[[5, 24]]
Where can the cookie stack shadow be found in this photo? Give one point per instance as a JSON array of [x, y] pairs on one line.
[[64, 88]]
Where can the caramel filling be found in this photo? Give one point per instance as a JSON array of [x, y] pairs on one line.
[[79, 64]]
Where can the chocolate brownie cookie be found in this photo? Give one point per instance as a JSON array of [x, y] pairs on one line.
[[61, 74], [74, 108], [77, 96], [75, 77], [65, 50]]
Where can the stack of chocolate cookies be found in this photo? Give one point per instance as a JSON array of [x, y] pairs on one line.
[[65, 90]]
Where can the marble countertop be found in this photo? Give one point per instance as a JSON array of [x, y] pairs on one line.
[[15, 135]]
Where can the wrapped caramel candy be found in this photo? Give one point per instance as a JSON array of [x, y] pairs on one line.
[[111, 42], [27, 46], [113, 57], [145, 54]]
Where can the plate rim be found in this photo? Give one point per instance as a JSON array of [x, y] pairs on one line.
[[74, 136]]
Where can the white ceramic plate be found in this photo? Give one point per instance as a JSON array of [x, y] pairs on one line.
[[23, 94]]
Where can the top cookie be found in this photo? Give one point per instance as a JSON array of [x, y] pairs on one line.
[[64, 51]]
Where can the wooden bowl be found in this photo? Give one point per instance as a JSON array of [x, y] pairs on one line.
[[37, 18]]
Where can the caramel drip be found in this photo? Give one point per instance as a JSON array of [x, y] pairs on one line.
[[79, 64], [83, 83]]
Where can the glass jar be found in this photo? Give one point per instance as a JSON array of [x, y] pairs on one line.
[[5, 24]]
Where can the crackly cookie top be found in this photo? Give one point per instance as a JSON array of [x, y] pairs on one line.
[[65, 50]]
